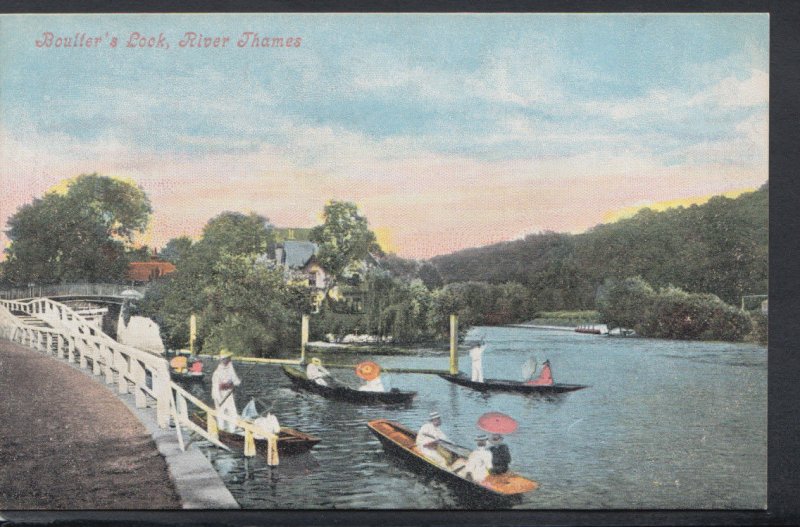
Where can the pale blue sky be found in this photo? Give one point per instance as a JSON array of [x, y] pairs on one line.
[[387, 92]]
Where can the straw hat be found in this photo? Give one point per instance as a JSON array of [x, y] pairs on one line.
[[316, 361], [225, 354], [481, 437], [435, 415]]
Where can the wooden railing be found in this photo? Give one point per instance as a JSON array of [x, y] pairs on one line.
[[73, 338]]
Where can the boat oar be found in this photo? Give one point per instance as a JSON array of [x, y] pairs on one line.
[[464, 451]]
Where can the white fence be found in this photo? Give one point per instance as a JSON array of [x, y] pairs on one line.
[[75, 339]]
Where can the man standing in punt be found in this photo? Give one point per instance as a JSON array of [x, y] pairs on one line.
[[428, 439], [223, 382], [476, 354]]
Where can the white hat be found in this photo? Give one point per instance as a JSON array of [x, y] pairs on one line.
[[435, 415]]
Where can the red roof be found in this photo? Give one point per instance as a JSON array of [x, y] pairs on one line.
[[146, 271]]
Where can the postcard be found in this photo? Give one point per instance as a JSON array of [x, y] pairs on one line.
[[384, 261]]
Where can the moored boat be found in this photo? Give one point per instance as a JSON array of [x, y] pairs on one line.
[[400, 441], [290, 441], [345, 393], [502, 385]]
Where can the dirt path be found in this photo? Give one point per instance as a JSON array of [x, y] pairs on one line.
[[67, 443]]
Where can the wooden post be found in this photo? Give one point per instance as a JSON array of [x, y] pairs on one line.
[[303, 337], [192, 332], [109, 360], [453, 344]]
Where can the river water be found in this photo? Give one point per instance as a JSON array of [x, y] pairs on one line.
[[664, 424]]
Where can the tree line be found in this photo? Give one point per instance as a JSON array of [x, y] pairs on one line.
[[669, 274]]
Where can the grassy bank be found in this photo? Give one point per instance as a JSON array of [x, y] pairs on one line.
[[566, 318]]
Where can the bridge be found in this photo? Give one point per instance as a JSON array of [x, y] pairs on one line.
[[106, 293]]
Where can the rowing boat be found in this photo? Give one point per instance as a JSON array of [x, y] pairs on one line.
[[290, 441], [345, 393], [501, 385], [399, 441]]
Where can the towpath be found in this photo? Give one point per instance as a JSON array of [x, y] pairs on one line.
[[65, 443]]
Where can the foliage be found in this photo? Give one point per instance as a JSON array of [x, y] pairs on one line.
[[82, 234], [669, 313], [719, 247], [343, 239], [240, 304], [176, 249]]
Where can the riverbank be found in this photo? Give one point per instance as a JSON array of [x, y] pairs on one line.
[[67, 444], [374, 349]]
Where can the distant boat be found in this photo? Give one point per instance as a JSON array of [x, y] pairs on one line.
[[345, 393], [502, 385], [399, 441], [590, 329]]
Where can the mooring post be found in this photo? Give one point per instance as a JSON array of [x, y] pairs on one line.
[[453, 344], [303, 337], [192, 332]]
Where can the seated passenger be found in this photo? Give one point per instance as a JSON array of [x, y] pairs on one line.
[[545, 377], [428, 439], [375, 385], [477, 465], [501, 455], [317, 373]]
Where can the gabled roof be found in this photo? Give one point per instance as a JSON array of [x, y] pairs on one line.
[[296, 254]]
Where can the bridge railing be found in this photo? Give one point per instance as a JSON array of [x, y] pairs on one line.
[[68, 290], [73, 338]]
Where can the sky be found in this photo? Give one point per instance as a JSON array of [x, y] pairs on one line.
[[448, 131]]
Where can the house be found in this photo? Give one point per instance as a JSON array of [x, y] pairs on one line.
[[298, 259], [142, 272]]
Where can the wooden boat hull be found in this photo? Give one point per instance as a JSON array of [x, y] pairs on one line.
[[500, 385], [290, 441], [343, 393], [187, 377], [399, 441]]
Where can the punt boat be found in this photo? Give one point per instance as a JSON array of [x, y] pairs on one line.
[[345, 393], [399, 441], [290, 441], [501, 385]]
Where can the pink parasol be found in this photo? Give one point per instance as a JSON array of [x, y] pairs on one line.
[[497, 423]]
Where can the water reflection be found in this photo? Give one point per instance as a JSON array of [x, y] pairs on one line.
[[663, 425]]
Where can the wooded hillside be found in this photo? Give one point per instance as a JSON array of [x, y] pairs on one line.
[[719, 247]]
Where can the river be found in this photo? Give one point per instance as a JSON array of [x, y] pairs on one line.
[[663, 424]]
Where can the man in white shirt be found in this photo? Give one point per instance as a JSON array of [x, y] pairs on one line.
[[476, 354], [317, 373], [478, 463], [223, 382], [427, 439]]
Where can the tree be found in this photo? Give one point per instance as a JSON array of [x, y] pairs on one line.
[[176, 249], [81, 234], [343, 239], [624, 303]]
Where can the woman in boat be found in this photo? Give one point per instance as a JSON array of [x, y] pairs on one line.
[[477, 465], [428, 439], [375, 385], [545, 377], [501, 455], [317, 373]]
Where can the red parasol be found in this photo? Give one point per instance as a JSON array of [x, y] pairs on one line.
[[368, 370], [497, 423]]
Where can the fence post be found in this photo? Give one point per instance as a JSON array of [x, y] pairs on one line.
[[163, 391], [122, 370], [95, 359], [140, 378]]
